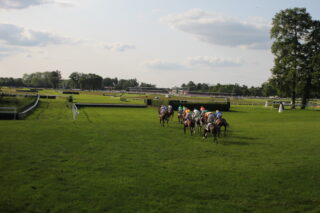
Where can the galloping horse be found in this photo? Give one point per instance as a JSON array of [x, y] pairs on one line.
[[213, 129], [180, 117], [189, 123], [170, 112], [164, 117], [198, 124], [221, 122]]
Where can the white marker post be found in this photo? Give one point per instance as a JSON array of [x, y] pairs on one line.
[[280, 108], [266, 104]]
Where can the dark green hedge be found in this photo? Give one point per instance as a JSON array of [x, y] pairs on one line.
[[70, 92], [24, 90], [175, 104]]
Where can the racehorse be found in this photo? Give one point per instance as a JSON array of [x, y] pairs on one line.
[[221, 122], [164, 117], [170, 113], [180, 117], [203, 120], [189, 123], [198, 124], [213, 129]]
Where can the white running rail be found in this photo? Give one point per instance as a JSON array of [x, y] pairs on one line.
[[75, 111]]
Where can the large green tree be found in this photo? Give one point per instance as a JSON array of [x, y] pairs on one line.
[[312, 54], [289, 30], [54, 78]]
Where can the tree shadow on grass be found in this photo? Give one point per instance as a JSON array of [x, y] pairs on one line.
[[242, 141], [237, 111]]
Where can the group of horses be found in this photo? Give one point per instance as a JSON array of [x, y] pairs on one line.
[[195, 123]]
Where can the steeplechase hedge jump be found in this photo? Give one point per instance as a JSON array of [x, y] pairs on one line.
[[222, 106]]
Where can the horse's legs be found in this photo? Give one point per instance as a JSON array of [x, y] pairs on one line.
[[218, 130], [161, 122], [215, 139], [204, 134]]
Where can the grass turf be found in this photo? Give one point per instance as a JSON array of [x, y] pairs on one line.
[[121, 160]]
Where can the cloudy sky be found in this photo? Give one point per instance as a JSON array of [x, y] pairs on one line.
[[165, 42]]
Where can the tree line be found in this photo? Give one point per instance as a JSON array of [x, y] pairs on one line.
[[83, 81], [265, 90]]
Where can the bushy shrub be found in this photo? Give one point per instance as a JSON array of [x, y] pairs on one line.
[[70, 99]]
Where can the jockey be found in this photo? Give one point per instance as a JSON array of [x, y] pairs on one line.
[[203, 111], [180, 108], [186, 112], [210, 118], [206, 115], [163, 109], [218, 114], [196, 113]]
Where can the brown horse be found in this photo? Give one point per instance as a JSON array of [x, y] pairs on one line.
[[221, 122], [170, 113], [163, 118], [180, 117], [189, 123], [213, 129]]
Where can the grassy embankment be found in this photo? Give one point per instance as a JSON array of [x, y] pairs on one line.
[[18, 102]]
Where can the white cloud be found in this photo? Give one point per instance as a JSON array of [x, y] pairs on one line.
[[209, 61], [218, 29], [193, 63], [6, 51], [18, 36], [163, 65], [120, 47], [22, 4]]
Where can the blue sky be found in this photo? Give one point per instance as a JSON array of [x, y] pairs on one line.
[[162, 42]]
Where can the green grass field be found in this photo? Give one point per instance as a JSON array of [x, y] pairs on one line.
[[121, 160]]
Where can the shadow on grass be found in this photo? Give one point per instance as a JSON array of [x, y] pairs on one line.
[[237, 111], [241, 141]]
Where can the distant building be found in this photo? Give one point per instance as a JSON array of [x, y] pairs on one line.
[[108, 88], [148, 90], [178, 91], [220, 94]]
